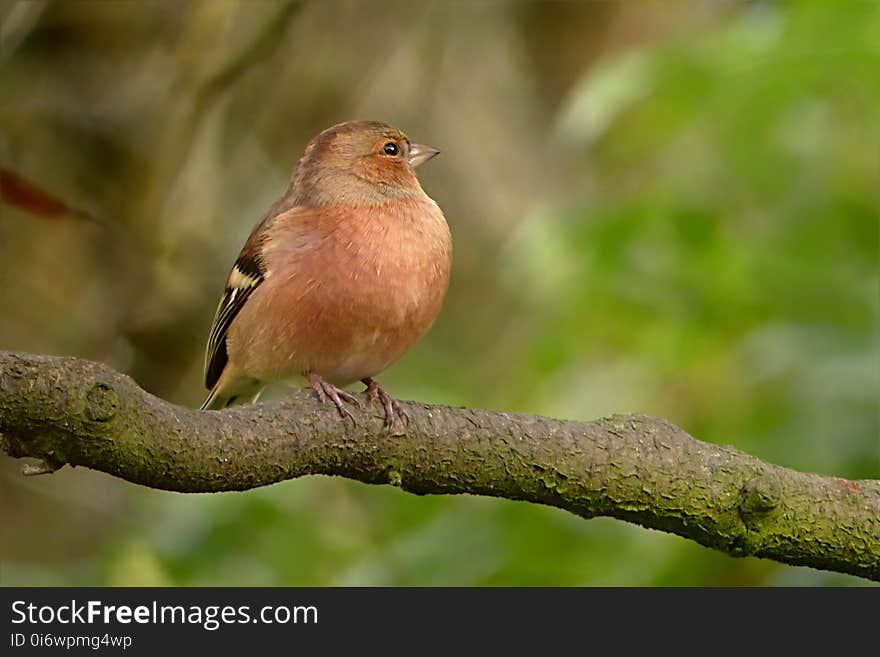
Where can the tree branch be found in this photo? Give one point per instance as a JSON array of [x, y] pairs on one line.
[[632, 467]]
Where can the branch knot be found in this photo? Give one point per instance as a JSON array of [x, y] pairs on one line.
[[101, 402], [759, 497]]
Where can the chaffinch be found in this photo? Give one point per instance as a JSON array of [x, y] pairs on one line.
[[339, 278]]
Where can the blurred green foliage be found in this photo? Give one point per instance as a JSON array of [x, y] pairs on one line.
[[655, 209]]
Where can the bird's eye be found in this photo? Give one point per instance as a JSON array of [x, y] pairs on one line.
[[391, 148]]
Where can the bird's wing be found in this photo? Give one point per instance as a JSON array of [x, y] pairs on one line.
[[245, 277], [248, 272]]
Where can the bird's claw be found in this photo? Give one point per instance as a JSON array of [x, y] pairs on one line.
[[336, 395], [393, 408]]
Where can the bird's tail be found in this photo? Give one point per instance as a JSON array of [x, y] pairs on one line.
[[217, 399]]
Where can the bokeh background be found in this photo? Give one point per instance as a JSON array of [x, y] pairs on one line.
[[665, 207]]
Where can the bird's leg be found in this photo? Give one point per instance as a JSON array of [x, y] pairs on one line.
[[338, 395], [392, 407]]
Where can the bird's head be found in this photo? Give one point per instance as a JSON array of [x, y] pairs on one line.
[[359, 162]]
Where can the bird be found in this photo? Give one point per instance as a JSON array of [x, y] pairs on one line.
[[340, 277]]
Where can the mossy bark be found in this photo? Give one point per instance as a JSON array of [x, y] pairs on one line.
[[634, 467]]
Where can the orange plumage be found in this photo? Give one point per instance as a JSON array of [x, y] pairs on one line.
[[345, 272]]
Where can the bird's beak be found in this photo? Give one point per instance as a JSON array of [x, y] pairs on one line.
[[419, 153]]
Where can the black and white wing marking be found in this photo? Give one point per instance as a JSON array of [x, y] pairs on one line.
[[246, 275]]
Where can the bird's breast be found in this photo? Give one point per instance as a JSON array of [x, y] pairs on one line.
[[356, 287], [396, 260]]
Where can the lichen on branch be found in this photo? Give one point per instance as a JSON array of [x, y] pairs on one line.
[[636, 468]]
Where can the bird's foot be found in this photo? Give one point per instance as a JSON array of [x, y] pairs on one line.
[[393, 408], [337, 395]]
